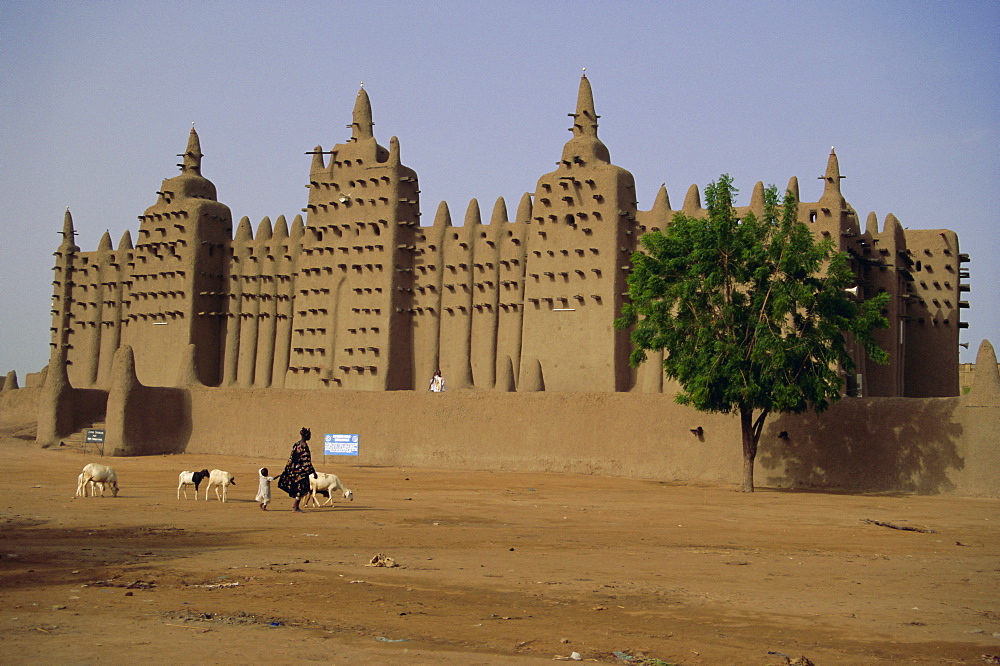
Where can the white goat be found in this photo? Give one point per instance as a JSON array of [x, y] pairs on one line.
[[327, 484], [82, 488], [219, 479], [97, 475], [186, 479]]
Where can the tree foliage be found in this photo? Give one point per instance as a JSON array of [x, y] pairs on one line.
[[752, 313]]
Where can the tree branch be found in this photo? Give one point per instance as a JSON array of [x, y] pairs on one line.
[[758, 424]]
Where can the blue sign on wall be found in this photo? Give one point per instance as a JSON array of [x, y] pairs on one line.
[[340, 445]]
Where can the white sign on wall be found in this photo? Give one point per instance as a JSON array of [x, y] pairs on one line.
[[340, 445]]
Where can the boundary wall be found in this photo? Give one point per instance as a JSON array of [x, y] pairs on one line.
[[933, 445], [908, 445]]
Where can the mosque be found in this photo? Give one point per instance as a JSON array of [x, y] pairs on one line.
[[357, 293]]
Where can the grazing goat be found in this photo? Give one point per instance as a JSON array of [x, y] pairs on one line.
[[97, 475], [186, 479], [219, 479], [82, 488], [327, 484]]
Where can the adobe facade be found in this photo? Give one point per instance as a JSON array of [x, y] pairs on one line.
[[359, 295]]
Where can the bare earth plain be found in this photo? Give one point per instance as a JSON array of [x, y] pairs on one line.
[[493, 568]]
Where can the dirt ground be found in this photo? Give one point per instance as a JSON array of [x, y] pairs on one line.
[[493, 568]]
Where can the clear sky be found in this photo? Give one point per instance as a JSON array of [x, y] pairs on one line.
[[97, 98]]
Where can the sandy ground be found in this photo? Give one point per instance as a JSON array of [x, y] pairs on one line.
[[493, 568]]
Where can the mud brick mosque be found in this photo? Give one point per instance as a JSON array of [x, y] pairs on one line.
[[357, 294]]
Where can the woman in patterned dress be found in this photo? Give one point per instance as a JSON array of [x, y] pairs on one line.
[[294, 480]]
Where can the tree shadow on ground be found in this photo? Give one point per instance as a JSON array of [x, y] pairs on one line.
[[881, 445]]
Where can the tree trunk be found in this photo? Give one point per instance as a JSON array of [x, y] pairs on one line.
[[749, 448]]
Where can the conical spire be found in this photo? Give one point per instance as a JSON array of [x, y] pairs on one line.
[[361, 127], [280, 228], [443, 216], [499, 215], [105, 243], [871, 224], [757, 198], [472, 215], [68, 233], [394, 152], [192, 156], [985, 390], [585, 145], [523, 208], [264, 229], [692, 201], [793, 187], [317, 160], [126, 241], [831, 184], [585, 122], [662, 201], [244, 232], [892, 223], [297, 228], [894, 230]]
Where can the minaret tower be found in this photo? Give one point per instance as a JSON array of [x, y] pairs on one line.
[[176, 276], [353, 295], [835, 217], [583, 218], [62, 294]]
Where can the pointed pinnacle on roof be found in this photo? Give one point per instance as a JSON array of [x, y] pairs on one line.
[[361, 127], [692, 200], [473, 216], [317, 160], [68, 232], [757, 198], [394, 159], [832, 177], [442, 218], [104, 245], [793, 187], [499, 215], [280, 228], [264, 229], [985, 390], [662, 201], [523, 208], [244, 232], [297, 229], [192, 155], [585, 146], [586, 116]]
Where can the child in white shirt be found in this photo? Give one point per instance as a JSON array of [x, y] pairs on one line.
[[264, 489]]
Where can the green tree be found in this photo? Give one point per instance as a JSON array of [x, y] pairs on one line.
[[751, 314]]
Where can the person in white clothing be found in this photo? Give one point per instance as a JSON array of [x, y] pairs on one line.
[[264, 489], [437, 382]]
